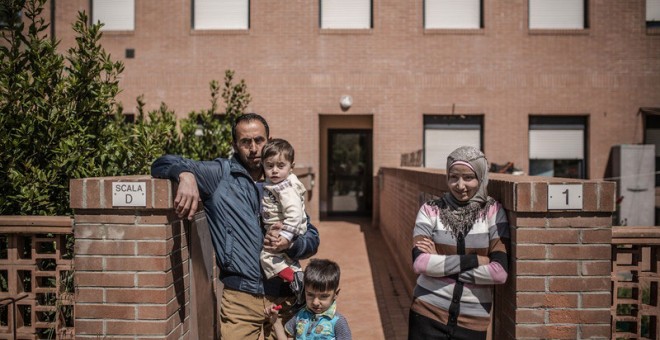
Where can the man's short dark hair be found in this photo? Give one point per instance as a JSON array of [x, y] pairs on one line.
[[322, 275], [278, 146], [247, 117]]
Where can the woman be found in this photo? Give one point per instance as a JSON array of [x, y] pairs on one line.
[[459, 253]]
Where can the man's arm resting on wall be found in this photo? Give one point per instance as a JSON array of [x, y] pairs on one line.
[[187, 194]]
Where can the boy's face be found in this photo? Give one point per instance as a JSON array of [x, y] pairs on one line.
[[318, 301], [276, 168]]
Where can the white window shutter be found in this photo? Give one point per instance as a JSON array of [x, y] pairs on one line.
[[652, 10], [556, 144], [346, 14], [439, 143], [452, 14], [221, 14], [116, 15], [556, 14]]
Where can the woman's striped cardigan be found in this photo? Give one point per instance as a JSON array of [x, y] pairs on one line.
[[452, 288]]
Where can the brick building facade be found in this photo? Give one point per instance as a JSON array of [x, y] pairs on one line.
[[505, 75]]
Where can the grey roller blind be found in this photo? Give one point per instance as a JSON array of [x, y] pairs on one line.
[[450, 14], [556, 14], [346, 14], [439, 143], [556, 144], [653, 10], [221, 14], [117, 15]]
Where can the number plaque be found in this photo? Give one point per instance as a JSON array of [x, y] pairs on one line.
[[564, 196]]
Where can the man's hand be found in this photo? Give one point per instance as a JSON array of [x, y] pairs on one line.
[[187, 196], [273, 242]]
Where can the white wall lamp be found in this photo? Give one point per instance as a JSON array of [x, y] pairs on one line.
[[345, 102]]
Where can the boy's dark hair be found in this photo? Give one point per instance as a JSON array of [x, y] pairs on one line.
[[246, 118], [278, 146], [322, 275]]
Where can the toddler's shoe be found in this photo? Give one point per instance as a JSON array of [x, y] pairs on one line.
[[298, 287]]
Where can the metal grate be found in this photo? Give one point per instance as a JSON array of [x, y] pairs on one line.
[[36, 278], [635, 257]]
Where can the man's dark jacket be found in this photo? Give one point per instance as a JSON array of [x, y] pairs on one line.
[[232, 205]]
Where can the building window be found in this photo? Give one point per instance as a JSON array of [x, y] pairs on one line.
[[558, 14], [444, 133], [116, 15], [557, 146], [652, 13], [7, 16], [129, 117], [652, 136], [346, 14], [221, 14], [453, 14]]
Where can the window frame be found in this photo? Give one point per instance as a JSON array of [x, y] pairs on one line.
[[481, 20], [221, 29], [104, 29], [651, 24], [5, 18], [561, 122], [358, 29], [651, 121], [451, 122], [585, 25]]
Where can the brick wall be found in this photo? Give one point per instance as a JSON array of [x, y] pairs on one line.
[[559, 280], [397, 72], [133, 265]]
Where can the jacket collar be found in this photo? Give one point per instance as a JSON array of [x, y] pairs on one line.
[[329, 313], [236, 166]]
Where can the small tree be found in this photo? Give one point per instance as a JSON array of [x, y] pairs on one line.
[[59, 119], [53, 111], [207, 134]]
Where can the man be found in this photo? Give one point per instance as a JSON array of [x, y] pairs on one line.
[[230, 191]]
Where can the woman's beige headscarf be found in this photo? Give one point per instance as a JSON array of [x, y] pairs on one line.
[[459, 216]]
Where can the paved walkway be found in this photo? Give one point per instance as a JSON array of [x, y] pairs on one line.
[[372, 298]]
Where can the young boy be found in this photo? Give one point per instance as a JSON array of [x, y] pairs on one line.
[[319, 319], [283, 201]]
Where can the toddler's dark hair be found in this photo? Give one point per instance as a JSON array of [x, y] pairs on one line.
[[322, 275], [278, 146]]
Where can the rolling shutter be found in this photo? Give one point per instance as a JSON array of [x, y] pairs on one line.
[[440, 142], [452, 14], [652, 10], [221, 14], [556, 14], [117, 15], [556, 144], [346, 14]]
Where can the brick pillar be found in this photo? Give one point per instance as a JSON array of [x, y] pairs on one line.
[[132, 268], [560, 281]]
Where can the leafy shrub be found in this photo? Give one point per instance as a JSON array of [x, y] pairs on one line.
[[59, 118]]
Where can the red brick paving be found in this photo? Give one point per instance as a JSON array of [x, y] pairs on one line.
[[371, 297]]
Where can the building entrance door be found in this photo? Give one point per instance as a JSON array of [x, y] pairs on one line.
[[349, 172]]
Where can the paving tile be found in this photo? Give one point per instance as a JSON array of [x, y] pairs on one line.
[[372, 297]]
